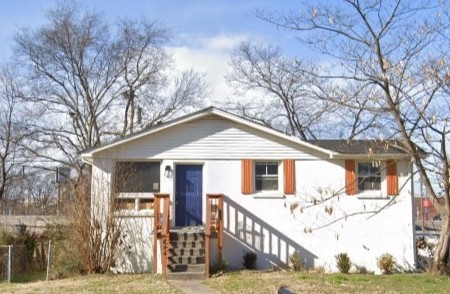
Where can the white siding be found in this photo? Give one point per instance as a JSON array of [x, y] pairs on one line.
[[210, 139], [102, 170]]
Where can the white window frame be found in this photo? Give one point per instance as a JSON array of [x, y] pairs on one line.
[[376, 193], [269, 193]]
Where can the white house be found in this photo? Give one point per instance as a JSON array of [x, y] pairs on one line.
[[281, 195]]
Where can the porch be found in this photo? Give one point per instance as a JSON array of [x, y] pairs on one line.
[[184, 252]]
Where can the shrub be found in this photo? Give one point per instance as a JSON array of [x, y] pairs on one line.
[[362, 270], [386, 263], [6, 238], [343, 262], [220, 266], [66, 259], [24, 245], [296, 262], [249, 260]]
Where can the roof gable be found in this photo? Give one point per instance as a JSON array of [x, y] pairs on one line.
[[208, 112]]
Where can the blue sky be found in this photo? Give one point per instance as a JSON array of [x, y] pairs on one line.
[[203, 32]]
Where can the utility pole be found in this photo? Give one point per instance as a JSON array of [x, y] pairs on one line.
[[58, 182]]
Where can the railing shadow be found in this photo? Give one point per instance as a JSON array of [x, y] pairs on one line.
[[246, 231]]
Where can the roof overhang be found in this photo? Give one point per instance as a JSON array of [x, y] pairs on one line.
[[368, 156]]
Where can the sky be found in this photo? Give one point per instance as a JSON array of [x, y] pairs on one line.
[[203, 32]]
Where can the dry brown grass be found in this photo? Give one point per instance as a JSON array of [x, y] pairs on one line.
[[108, 283], [244, 282]]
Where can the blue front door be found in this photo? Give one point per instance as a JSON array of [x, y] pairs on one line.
[[188, 195]]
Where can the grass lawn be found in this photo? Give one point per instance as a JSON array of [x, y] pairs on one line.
[[303, 282], [108, 283], [239, 282]]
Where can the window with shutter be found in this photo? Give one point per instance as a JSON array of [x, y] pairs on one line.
[[350, 177], [391, 177], [289, 176], [247, 178], [267, 176]]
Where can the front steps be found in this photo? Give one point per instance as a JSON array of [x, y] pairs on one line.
[[187, 254]]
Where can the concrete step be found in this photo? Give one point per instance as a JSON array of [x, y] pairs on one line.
[[187, 251], [186, 260], [186, 276], [187, 236], [189, 268], [187, 244]]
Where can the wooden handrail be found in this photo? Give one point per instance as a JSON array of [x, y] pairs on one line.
[[214, 226], [161, 231]]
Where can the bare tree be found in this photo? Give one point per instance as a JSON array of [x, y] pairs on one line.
[[144, 60], [150, 91], [73, 71], [292, 95], [41, 192], [81, 68], [12, 128], [396, 51]]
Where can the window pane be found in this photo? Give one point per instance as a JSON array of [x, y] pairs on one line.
[[374, 170], [363, 169], [145, 203], [269, 184], [369, 183], [137, 176], [368, 169], [125, 204], [272, 168], [258, 184], [260, 169]]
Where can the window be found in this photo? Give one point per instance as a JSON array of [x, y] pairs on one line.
[[137, 177], [266, 176], [369, 176]]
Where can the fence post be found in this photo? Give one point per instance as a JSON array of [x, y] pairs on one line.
[[9, 263], [48, 256]]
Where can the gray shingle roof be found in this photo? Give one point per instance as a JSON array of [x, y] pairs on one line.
[[361, 146]]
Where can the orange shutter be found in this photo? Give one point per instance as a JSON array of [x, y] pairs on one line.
[[289, 176], [247, 178], [391, 177], [350, 177]]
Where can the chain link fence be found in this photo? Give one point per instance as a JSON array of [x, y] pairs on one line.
[[5, 263], [16, 260]]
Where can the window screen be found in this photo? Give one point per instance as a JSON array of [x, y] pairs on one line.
[[137, 176]]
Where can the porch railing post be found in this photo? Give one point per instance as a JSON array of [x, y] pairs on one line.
[[165, 234], [161, 231], [156, 225], [217, 226], [207, 234], [220, 228]]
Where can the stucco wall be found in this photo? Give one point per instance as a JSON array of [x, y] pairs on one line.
[[267, 225]]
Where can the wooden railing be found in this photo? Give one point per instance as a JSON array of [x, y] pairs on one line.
[[161, 231], [214, 227]]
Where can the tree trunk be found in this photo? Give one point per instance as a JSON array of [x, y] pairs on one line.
[[441, 252]]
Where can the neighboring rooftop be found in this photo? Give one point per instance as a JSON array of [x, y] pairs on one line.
[[361, 146]]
